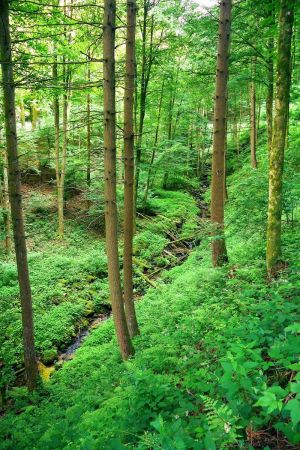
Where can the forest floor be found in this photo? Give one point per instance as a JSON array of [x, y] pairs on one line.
[[216, 363]]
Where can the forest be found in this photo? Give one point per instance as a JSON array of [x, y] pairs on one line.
[[149, 224]]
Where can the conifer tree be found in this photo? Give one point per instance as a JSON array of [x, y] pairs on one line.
[[15, 196], [219, 253], [110, 194], [129, 169]]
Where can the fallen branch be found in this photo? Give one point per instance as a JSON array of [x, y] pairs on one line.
[[142, 275], [170, 264]]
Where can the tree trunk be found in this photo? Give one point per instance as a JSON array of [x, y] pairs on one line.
[[22, 113], [6, 205], [219, 253], [88, 129], [129, 169], [15, 197], [154, 145], [110, 194], [270, 94], [259, 102], [57, 145], [145, 76], [253, 120], [276, 159], [34, 115]]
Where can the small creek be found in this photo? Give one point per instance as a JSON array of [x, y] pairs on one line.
[[180, 248], [67, 353]]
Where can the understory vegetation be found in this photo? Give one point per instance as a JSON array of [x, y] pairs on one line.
[[216, 363], [69, 279]]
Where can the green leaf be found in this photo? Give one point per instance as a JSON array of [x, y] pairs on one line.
[[293, 406]]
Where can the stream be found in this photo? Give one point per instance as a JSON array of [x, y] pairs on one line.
[[178, 247]]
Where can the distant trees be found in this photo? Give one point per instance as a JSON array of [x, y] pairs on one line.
[[219, 253], [15, 197], [110, 195], [276, 158]]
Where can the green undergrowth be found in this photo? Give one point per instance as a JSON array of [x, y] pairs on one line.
[[216, 359], [216, 364], [69, 277]]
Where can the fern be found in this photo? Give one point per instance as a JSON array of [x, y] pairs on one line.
[[221, 421]]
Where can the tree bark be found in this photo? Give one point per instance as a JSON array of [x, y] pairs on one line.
[[129, 169], [22, 113], [270, 92], [253, 119], [57, 144], [219, 253], [110, 194], [6, 205], [276, 158], [154, 145], [88, 129], [147, 61], [15, 197]]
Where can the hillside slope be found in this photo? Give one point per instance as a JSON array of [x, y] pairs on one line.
[[216, 364]]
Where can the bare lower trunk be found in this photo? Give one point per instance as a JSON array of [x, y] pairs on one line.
[[22, 113], [88, 130], [253, 122], [110, 194], [58, 158], [270, 94], [6, 205], [154, 145], [15, 197], [276, 159], [219, 253], [129, 170], [147, 61]]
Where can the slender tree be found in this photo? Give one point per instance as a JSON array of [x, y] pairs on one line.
[[253, 118], [88, 126], [129, 169], [15, 197], [6, 205], [58, 161], [270, 90], [154, 145], [110, 194], [276, 158], [219, 253]]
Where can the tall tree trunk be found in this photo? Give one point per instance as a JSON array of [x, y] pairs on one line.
[[88, 129], [276, 159], [145, 76], [154, 145], [219, 253], [57, 143], [259, 102], [6, 205], [110, 194], [253, 119], [270, 92], [129, 169], [15, 197], [22, 113], [34, 115]]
